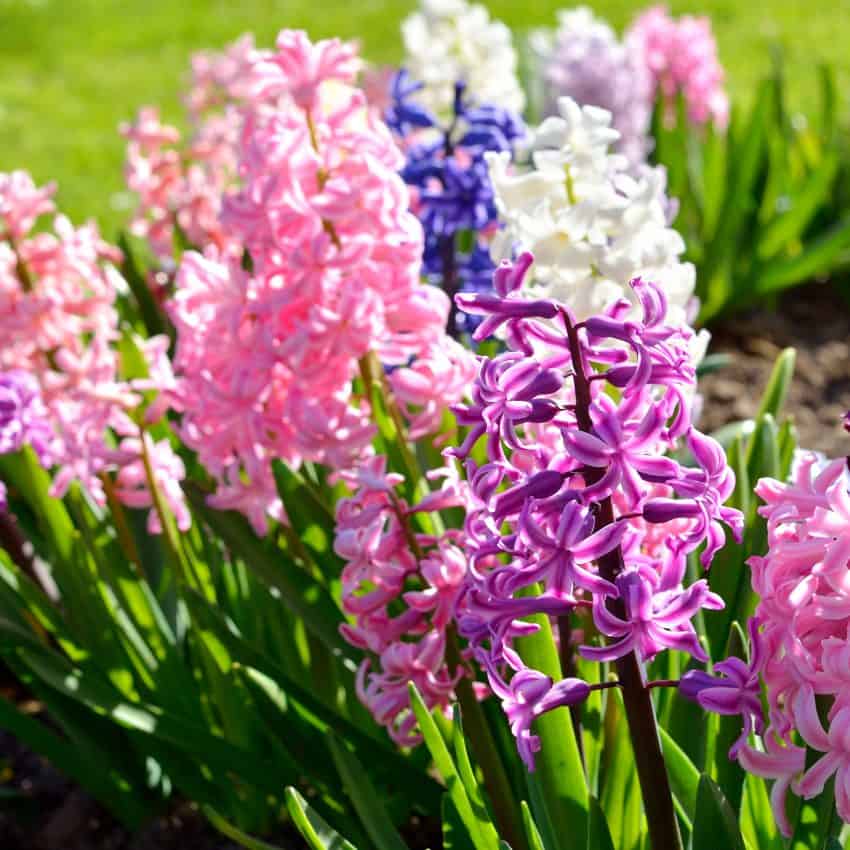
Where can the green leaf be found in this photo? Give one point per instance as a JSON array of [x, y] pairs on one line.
[[151, 316], [620, 794], [727, 773], [559, 793], [776, 390], [715, 824], [806, 201], [684, 776], [817, 257], [364, 798], [301, 593], [758, 825], [455, 836], [535, 842], [120, 797], [598, 834], [234, 834], [314, 830], [747, 159], [477, 822]]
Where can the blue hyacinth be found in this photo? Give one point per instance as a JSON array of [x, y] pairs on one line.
[[456, 202]]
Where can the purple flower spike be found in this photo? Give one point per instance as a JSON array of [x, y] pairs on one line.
[[579, 503]]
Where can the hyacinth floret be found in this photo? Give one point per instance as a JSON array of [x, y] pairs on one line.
[[579, 509], [681, 57], [23, 420], [590, 223], [447, 41]]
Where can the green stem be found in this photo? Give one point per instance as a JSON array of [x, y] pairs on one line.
[[122, 528]]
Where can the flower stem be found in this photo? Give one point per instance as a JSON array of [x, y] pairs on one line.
[[451, 284], [640, 712]]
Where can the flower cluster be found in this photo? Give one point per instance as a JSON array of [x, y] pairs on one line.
[[682, 57], [399, 586], [450, 40], [800, 636], [588, 63], [180, 184], [452, 193], [267, 349], [579, 419], [591, 225], [59, 325]]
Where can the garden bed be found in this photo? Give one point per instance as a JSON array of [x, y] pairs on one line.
[[43, 811]]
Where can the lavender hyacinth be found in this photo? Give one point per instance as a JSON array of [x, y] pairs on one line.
[[454, 195], [580, 510], [23, 419], [587, 62]]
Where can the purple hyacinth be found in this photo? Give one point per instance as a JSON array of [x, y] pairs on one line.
[[454, 196], [23, 419], [587, 62], [575, 507]]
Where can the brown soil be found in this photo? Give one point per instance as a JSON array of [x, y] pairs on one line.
[[813, 319]]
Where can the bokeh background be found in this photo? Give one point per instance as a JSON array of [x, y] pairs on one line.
[[72, 70]]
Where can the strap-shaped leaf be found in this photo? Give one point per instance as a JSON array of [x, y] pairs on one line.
[[481, 831], [318, 834], [684, 776], [715, 824], [368, 805]]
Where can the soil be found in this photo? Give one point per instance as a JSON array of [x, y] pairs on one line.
[[40, 810], [815, 321]]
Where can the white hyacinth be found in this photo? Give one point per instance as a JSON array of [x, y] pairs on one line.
[[590, 221], [451, 40]]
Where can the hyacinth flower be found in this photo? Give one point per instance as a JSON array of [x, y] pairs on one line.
[[453, 196], [268, 350], [180, 183], [60, 328], [578, 420], [447, 41], [590, 223], [799, 643], [681, 57], [399, 587], [586, 61]]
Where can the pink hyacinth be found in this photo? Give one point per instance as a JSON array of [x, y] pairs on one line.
[[681, 55], [389, 565], [800, 642], [266, 357], [803, 618], [181, 190], [60, 326]]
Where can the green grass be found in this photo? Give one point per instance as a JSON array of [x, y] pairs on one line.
[[71, 70]]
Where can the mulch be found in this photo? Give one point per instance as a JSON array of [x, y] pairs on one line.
[[41, 810]]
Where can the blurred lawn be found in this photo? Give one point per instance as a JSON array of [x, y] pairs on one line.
[[71, 70]]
